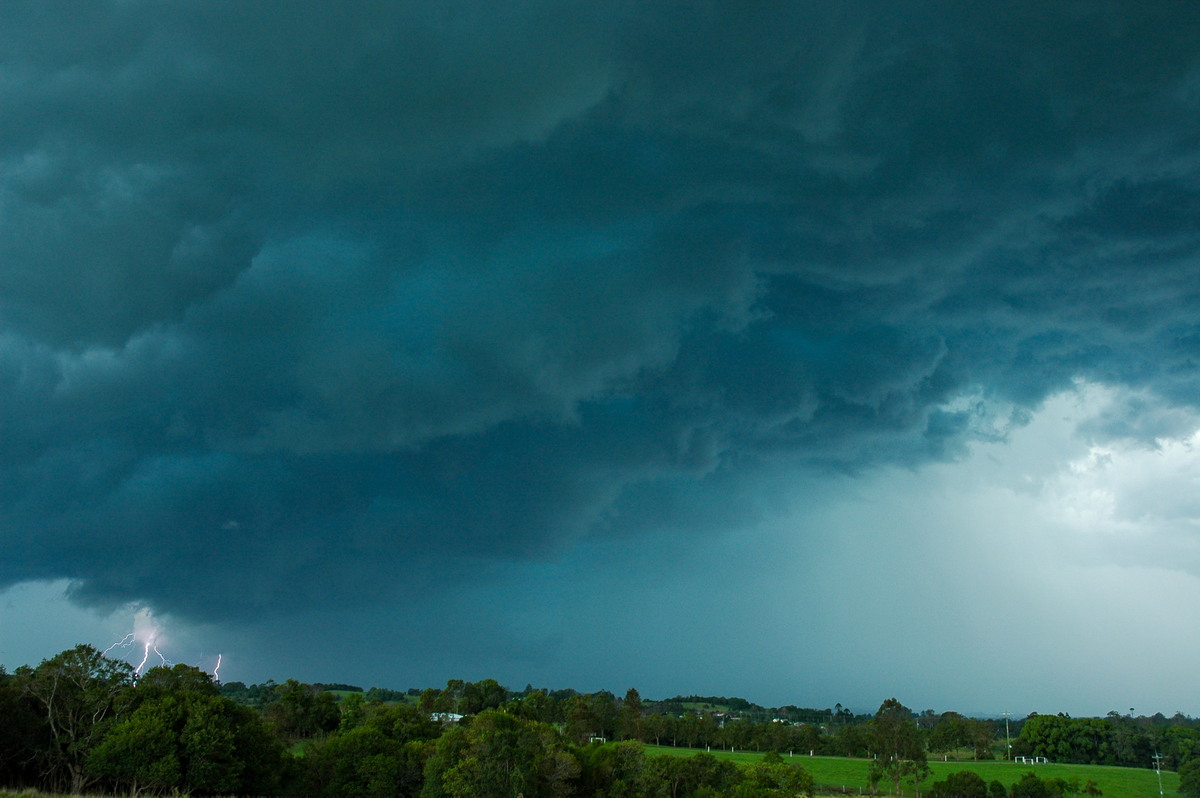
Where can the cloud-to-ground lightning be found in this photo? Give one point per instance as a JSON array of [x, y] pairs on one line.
[[149, 645], [147, 637], [145, 631]]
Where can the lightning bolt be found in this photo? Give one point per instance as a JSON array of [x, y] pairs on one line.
[[150, 645], [146, 634], [123, 642], [145, 631]]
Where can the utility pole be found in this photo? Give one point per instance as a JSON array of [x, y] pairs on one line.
[[1007, 744], [1158, 769]]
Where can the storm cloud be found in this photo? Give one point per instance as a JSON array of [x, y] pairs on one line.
[[308, 308]]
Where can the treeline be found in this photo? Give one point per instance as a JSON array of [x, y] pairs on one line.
[[1112, 740], [82, 722]]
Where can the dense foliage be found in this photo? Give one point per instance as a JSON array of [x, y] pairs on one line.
[[1113, 740], [80, 721]]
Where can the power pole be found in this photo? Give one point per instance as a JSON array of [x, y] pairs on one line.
[[1007, 744], [1158, 769]]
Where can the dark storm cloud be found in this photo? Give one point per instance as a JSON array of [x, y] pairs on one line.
[[297, 299]]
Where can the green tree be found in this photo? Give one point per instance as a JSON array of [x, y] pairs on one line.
[[657, 727], [142, 752], [1030, 786], [500, 755], [960, 784], [898, 744], [404, 723], [771, 777], [164, 680], [1189, 779], [535, 705], [851, 740], [302, 710], [191, 742], [78, 694], [478, 696], [737, 734], [612, 770], [1178, 744], [953, 731], [630, 724], [353, 710], [682, 776], [363, 762]]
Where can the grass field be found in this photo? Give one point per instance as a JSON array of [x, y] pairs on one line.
[[841, 772]]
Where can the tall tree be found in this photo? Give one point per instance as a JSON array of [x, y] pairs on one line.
[[898, 744], [630, 724]]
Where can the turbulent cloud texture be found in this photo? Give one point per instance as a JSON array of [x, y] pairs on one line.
[[308, 307]]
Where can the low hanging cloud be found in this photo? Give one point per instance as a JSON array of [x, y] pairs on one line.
[[295, 299]]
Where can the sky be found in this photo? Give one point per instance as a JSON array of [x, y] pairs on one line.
[[807, 352]]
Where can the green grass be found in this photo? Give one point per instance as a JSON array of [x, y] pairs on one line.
[[852, 773]]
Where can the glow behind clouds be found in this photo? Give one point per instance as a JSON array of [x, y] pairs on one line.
[[1032, 575], [769, 350]]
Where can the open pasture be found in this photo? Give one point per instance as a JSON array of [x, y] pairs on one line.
[[838, 772]]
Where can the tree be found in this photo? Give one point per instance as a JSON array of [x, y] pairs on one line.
[[163, 680], [79, 693], [478, 696], [630, 724], [142, 752], [187, 741], [302, 710], [1189, 779], [363, 762], [500, 755], [678, 776], [960, 784], [898, 744], [954, 731], [1030, 786], [353, 710], [404, 723], [852, 740], [1178, 744], [771, 777], [611, 770], [656, 727]]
